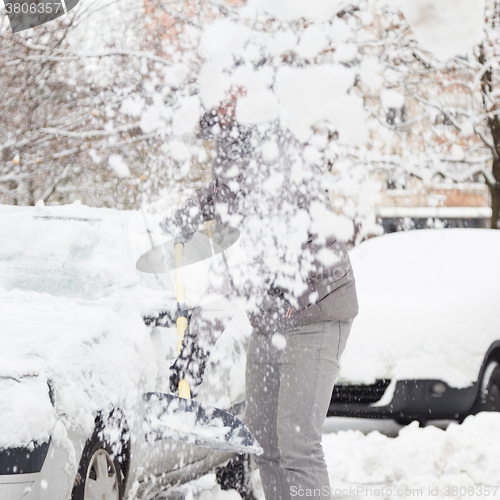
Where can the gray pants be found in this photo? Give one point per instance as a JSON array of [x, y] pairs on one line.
[[288, 392]]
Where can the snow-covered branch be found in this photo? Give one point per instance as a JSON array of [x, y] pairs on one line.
[[88, 133], [48, 192], [485, 67], [75, 56]]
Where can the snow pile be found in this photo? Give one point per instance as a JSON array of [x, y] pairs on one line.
[[428, 306], [204, 488], [463, 455]]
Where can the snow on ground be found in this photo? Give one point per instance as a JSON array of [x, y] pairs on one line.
[[462, 461], [462, 456]]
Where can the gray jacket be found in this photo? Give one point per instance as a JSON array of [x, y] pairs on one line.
[[331, 290]]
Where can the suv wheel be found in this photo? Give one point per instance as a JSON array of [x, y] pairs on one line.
[[489, 391]]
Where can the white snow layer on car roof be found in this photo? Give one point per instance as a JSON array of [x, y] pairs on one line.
[[428, 304], [70, 303]]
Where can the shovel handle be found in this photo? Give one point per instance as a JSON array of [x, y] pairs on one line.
[[184, 391]]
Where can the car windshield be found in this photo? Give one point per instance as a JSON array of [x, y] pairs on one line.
[[53, 255]]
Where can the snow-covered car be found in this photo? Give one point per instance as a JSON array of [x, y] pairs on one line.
[[426, 342], [77, 357]]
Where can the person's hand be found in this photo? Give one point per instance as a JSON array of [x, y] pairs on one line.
[[189, 365], [184, 222]]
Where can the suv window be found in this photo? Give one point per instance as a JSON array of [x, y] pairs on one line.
[[52, 255]]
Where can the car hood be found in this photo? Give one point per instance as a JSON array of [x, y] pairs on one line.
[[94, 355], [70, 313], [27, 414]]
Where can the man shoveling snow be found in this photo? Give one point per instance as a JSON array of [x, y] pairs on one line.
[[299, 294]]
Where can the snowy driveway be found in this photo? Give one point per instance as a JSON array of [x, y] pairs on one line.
[[460, 462]]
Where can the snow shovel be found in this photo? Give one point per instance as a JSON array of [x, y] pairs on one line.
[[180, 418]]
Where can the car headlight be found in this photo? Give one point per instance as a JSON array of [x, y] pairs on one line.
[[23, 460]]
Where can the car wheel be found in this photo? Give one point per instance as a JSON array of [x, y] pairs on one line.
[[237, 475], [489, 392], [99, 475]]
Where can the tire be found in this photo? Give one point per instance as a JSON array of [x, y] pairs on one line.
[[100, 475], [489, 389], [237, 475]]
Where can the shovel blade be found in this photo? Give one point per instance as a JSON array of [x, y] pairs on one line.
[[171, 417]]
